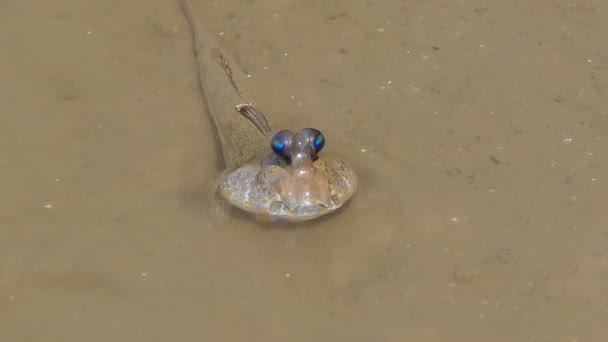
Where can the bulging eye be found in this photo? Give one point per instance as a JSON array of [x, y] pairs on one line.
[[312, 137], [281, 143], [319, 141]]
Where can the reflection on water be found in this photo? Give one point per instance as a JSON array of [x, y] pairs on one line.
[[477, 131]]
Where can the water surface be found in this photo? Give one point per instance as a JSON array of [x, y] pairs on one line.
[[478, 130]]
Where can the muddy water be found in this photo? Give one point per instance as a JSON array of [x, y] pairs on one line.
[[478, 129]]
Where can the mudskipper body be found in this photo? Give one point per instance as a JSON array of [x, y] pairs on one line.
[[276, 176]]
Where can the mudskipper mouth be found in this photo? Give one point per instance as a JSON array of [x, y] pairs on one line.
[[308, 210], [300, 213]]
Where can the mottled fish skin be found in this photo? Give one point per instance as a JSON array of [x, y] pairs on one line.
[[240, 140], [290, 194], [286, 193]]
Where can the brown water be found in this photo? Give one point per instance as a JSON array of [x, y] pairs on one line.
[[478, 128]]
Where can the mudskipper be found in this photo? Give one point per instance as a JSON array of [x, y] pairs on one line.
[[276, 176]]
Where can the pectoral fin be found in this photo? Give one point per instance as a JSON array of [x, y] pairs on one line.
[[256, 117]]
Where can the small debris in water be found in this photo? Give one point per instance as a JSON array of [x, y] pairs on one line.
[[413, 88], [48, 206], [568, 140]]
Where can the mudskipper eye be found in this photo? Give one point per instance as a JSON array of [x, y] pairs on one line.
[[281, 143], [319, 141], [313, 137], [278, 146]]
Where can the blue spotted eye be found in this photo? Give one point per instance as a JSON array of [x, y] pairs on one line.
[[281, 143], [313, 139], [319, 142], [278, 146]]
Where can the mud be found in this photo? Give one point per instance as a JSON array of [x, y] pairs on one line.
[[478, 130]]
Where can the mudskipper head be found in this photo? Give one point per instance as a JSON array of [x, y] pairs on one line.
[[293, 183]]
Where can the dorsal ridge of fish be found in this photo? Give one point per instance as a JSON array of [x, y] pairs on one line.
[[241, 141]]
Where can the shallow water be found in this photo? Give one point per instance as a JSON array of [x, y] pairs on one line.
[[478, 129]]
